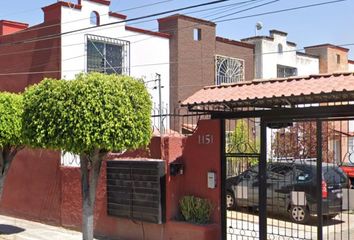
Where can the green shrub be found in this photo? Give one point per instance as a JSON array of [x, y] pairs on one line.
[[195, 210], [89, 116]]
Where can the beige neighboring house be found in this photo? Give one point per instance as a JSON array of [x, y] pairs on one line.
[[332, 58]]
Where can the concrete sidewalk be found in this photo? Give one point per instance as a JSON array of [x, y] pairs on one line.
[[19, 229]]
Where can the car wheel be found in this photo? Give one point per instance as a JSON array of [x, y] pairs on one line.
[[299, 214], [230, 201]]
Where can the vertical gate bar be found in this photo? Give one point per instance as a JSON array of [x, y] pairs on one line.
[[223, 180], [319, 179], [262, 179]]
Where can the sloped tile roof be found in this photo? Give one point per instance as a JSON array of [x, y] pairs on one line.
[[332, 87]]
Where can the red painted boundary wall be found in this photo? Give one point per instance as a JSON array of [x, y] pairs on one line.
[[32, 188], [39, 189]]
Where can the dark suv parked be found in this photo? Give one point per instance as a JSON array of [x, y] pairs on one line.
[[291, 188]]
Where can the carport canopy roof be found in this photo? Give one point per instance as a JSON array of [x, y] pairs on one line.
[[275, 93]]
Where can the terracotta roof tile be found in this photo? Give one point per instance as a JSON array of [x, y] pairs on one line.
[[274, 88]]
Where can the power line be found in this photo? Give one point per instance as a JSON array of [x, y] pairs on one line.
[[144, 6], [225, 20], [232, 7], [224, 6], [251, 8], [191, 60], [266, 13], [124, 10], [44, 64], [132, 35], [53, 36], [282, 10], [244, 3], [243, 10], [34, 28], [126, 36]]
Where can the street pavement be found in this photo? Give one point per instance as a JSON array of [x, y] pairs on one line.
[[240, 225], [19, 229], [243, 225]]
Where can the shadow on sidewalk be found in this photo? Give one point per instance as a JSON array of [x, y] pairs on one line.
[[9, 229]]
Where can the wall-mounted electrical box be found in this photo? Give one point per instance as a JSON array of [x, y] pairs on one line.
[[176, 168], [211, 180]]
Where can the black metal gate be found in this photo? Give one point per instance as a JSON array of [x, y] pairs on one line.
[[287, 179]]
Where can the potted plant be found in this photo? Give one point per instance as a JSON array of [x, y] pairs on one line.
[[195, 210], [196, 220]]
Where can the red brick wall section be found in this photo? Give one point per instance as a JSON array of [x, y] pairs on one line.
[[9, 27], [32, 187], [104, 224], [39, 189], [152, 151], [24, 60], [198, 160], [201, 158], [239, 52], [70, 197]]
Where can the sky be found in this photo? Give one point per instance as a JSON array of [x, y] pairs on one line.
[[333, 23]]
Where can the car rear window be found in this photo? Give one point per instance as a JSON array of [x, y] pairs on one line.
[[333, 175], [281, 169], [303, 174]]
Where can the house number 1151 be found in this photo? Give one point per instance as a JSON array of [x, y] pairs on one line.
[[205, 139]]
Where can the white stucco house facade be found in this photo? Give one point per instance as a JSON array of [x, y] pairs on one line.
[[114, 48], [95, 39], [275, 56]]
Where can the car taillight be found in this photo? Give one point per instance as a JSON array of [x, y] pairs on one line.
[[324, 189]]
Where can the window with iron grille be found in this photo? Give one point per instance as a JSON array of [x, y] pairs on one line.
[[108, 55], [285, 71], [228, 70]]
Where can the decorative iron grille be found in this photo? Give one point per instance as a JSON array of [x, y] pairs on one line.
[[285, 71], [107, 55], [228, 70]]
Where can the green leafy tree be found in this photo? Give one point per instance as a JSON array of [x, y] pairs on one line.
[[10, 132], [243, 141], [89, 116]]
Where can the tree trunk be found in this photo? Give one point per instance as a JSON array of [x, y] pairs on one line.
[[2, 180], [7, 154], [87, 220], [90, 170]]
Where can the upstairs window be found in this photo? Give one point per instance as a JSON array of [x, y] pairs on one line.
[[95, 18], [285, 71], [338, 58], [280, 48], [229, 70], [197, 34], [107, 55]]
